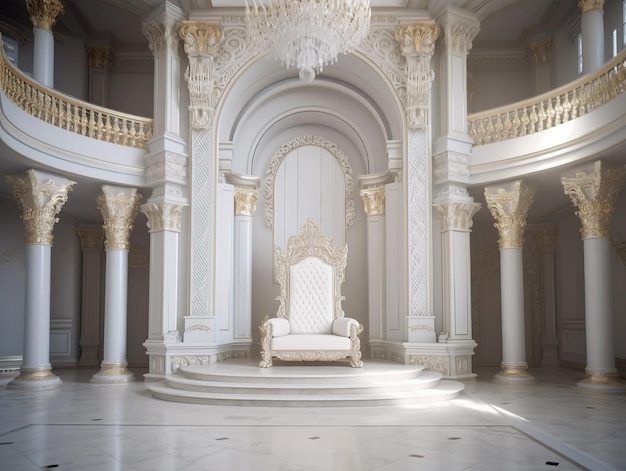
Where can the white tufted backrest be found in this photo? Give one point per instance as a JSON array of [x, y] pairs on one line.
[[311, 297]]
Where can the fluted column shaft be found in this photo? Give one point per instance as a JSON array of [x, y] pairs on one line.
[[509, 206], [40, 196], [594, 194], [43, 15], [119, 207], [592, 32]]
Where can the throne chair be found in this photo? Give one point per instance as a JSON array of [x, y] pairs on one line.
[[310, 324]]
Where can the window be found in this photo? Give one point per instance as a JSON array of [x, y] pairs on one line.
[[579, 42], [10, 47], [614, 42], [624, 20]]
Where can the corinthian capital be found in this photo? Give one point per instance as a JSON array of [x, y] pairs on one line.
[[40, 197], [374, 200], [90, 237], [44, 13], [459, 32], [119, 207], [245, 200], [99, 57], [418, 38], [509, 207], [456, 215], [588, 5], [594, 195], [201, 38], [163, 216]]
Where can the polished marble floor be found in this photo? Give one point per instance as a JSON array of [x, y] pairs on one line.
[[547, 425]]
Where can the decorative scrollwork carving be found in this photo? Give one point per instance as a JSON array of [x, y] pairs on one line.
[[509, 207]]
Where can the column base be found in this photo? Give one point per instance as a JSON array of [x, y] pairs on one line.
[[112, 374], [608, 382], [35, 379], [514, 374]]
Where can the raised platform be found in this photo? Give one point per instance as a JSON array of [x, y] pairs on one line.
[[242, 382]]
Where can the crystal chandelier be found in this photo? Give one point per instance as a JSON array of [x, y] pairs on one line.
[[308, 34]]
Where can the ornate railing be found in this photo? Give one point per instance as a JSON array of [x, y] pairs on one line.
[[71, 114], [551, 109]]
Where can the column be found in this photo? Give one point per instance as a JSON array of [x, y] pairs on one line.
[[245, 205], [119, 206], [43, 15], [509, 205], [592, 32], [546, 240], [91, 243], [99, 60], [594, 192], [540, 60], [202, 43], [373, 195], [417, 45], [40, 197]]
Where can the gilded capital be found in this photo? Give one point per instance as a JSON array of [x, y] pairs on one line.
[[509, 207], [540, 51], [119, 208], [588, 5], [99, 57], [374, 200], [594, 195], [245, 200], [456, 215], [90, 237], [40, 198], [163, 216], [201, 38], [418, 38], [44, 13]]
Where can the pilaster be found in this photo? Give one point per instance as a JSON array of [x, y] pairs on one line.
[[540, 55], [593, 191], [99, 61], [40, 196], [509, 204]]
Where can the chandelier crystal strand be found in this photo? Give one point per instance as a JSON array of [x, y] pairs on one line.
[[308, 34]]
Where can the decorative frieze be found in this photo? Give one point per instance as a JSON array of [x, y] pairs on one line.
[[44, 13], [417, 45], [509, 207], [202, 43], [119, 207], [40, 198], [374, 200], [588, 5], [456, 215], [245, 200], [594, 195]]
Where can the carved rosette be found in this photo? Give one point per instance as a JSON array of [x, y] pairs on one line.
[[456, 215], [417, 44], [90, 237], [245, 200], [509, 208], [588, 5], [540, 51], [202, 43], [374, 200], [118, 206], [44, 13], [594, 196], [40, 201], [163, 216], [99, 57]]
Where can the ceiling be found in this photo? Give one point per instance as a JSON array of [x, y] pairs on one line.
[[504, 24]]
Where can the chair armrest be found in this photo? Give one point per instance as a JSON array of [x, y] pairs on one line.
[[342, 326], [280, 327]]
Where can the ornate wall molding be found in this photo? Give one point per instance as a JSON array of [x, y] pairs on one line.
[[44, 13], [432, 362], [594, 195], [118, 206], [245, 200], [509, 207], [40, 199], [285, 149], [374, 200], [456, 215]]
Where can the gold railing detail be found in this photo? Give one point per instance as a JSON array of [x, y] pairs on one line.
[[552, 108], [71, 114]]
